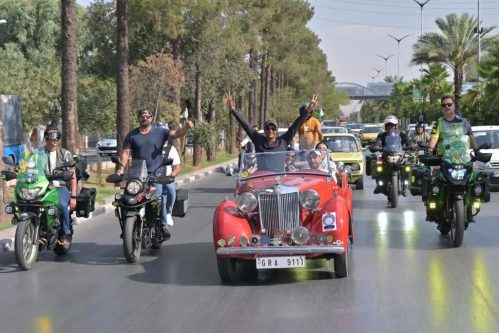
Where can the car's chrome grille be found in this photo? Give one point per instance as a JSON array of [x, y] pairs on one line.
[[494, 164], [278, 210]]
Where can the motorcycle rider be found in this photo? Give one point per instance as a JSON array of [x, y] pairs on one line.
[[391, 125], [448, 128], [420, 134], [146, 143], [56, 156]]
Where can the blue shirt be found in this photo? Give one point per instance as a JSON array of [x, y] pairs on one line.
[[148, 147]]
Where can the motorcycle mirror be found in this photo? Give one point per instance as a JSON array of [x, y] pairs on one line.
[[114, 178], [8, 160], [8, 175], [485, 146]]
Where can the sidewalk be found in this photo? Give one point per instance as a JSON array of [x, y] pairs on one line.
[[7, 235]]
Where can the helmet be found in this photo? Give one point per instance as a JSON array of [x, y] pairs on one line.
[[419, 124], [391, 119]]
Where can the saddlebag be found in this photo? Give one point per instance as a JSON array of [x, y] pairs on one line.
[[85, 202], [419, 174], [181, 203]]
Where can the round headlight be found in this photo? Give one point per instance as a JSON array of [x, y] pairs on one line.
[[355, 166], [309, 199], [246, 202], [435, 189], [477, 189], [9, 209], [134, 187], [300, 235]]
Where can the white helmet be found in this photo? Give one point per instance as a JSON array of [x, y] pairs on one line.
[[391, 119]]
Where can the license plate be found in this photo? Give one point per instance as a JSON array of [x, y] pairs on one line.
[[280, 262]]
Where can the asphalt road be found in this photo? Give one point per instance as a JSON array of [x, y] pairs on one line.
[[404, 278]]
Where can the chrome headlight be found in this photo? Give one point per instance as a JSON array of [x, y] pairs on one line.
[[30, 194], [457, 174], [134, 187], [246, 202], [309, 199], [355, 166]]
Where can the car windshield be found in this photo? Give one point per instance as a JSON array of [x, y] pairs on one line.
[[136, 169], [110, 136], [491, 136], [343, 144], [314, 161], [328, 130], [373, 129]]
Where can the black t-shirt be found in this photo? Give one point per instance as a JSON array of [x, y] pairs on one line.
[[148, 147]]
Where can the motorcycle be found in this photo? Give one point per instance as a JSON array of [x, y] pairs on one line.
[[391, 168], [36, 211], [138, 210], [452, 191]]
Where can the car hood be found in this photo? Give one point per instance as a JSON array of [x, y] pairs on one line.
[[107, 142], [369, 135], [343, 157]]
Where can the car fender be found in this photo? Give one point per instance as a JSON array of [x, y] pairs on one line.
[[229, 222], [338, 205]]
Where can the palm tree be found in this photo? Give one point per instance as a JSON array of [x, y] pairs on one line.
[[456, 46], [434, 82]]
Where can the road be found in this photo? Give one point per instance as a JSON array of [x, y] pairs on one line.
[[404, 278]]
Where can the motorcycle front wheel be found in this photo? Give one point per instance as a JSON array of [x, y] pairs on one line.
[[26, 244], [457, 223], [132, 241], [395, 190]]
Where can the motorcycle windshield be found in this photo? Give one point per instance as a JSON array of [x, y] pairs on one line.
[[393, 142], [32, 166], [457, 151], [136, 169]]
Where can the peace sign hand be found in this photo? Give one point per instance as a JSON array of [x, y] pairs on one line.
[[229, 101], [313, 103]]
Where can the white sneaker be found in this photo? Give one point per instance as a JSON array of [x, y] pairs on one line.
[[169, 219]]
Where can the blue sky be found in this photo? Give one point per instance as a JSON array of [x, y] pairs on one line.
[[355, 32]]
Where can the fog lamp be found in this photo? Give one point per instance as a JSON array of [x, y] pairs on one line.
[[407, 169], [433, 205], [476, 204], [380, 182], [379, 168], [300, 235]]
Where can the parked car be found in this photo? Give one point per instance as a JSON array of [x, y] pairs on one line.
[[489, 134], [345, 148], [284, 214], [355, 128], [107, 145], [335, 129], [369, 133]]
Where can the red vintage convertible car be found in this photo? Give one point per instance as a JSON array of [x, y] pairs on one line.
[[288, 209]]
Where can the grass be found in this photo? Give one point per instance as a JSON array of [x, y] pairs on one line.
[[105, 190]]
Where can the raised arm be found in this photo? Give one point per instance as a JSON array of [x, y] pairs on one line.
[[246, 125], [290, 133]]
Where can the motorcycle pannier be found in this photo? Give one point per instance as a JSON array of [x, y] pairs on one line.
[[181, 203], [85, 202]]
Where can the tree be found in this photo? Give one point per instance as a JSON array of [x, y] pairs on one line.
[[122, 91], [456, 46], [69, 73]]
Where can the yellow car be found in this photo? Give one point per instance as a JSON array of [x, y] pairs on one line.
[[368, 134], [345, 148]]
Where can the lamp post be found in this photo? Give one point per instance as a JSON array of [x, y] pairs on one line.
[[386, 60], [372, 77], [398, 52], [421, 5], [377, 71]]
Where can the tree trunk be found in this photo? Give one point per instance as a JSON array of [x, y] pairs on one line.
[[240, 131], [231, 142], [122, 91], [211, 152], [272, 83], [458, 83], [262, 90], [266, 93], [69, 73], [3, 184], [196, 158], [252, 92]]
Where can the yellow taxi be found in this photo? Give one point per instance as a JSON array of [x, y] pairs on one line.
[[368, 134], [346, 148]]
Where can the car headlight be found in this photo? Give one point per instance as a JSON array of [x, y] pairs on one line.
[[309, 199], [134, 187], [30, 194], [457, 174], [355, 166], [246, 202]]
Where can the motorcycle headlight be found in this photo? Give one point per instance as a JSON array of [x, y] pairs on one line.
[[246, 202], [309, 199], [134, 187], [457, 174], [30, 194]]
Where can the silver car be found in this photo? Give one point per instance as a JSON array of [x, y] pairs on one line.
[[107, 145], [489, 134]]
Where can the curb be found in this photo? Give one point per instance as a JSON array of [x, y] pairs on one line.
[[7, 235]]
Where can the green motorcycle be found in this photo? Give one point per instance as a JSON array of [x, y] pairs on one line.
[[36, 211], [454, 190]]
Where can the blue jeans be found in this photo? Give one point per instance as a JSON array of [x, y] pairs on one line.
[[64, 197], [168, 196]]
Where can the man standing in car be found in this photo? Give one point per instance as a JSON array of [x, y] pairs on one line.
[[146, 143]]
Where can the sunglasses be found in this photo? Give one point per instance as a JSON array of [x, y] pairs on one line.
[[448, 105], [53, 136], [271, 129]]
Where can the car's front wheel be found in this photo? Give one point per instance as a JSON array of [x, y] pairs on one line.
[[226, 269], [342, 263]]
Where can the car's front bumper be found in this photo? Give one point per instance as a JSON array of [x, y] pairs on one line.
[[493, 177], [279, 250]]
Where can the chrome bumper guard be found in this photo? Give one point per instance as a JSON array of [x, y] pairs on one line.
[[280, 250]]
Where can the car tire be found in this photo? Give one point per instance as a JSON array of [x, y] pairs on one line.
[[359, 184], [226, 269], [342, 263]]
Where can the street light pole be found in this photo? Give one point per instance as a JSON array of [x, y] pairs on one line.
[[398, 52], [421, 5], [377, 71], [386, 60]]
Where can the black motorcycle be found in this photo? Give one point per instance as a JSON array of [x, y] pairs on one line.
[[392, 168], [452, 191], [138, 209]]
